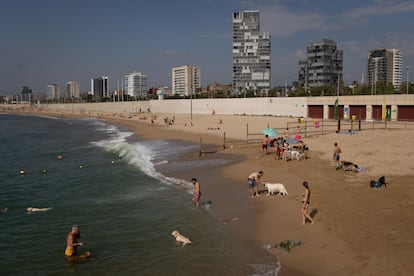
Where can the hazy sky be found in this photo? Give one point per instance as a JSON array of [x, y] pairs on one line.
[[54, 41]]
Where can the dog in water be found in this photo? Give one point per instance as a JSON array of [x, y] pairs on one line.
[[379, 183], [180, 238], [33, 209], [276, 188]]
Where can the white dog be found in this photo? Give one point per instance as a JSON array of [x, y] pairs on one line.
[[294, 154], [180, 238], [276, 188], [33, 209]]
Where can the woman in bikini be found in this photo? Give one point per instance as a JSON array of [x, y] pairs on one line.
[[305, 204]]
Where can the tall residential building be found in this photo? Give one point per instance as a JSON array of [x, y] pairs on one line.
[[186, 80], [135, 85], [323, 65], [26, 93], [72, 90], [100, 87], [53, 92], [385, 67], [251, 54]]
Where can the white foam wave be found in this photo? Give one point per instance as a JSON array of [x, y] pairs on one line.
[[136, 154]]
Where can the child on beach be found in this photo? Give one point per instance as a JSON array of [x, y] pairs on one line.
[[336, 156]]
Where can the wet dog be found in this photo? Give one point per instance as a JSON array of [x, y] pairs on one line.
[[33, 209], [180, 238], [276, 188]]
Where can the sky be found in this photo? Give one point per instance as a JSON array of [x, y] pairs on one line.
[[55, 41]]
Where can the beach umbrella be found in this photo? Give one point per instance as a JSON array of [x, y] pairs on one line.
[[270, 131]]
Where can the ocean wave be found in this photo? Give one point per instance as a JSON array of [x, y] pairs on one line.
[[137, 154]]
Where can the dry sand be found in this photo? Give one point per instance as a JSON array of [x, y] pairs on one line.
[[358, 230]]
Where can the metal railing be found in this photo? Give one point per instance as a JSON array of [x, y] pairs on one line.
[[305, 128]]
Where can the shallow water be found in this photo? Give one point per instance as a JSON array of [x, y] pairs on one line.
[[111, 184]]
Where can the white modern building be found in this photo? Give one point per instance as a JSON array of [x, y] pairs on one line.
[[53, 92], [186, 80], [135, 85], [385, 66], [251, 54], [72, 90]]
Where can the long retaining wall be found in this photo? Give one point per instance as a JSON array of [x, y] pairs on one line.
[[274, 106]]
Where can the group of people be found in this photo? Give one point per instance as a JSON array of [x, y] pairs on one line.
[[255, 178], [282, 148]]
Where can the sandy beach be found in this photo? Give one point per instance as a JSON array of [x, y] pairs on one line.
[[358, 230]]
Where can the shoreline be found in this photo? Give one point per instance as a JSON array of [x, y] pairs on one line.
[[345, 238]]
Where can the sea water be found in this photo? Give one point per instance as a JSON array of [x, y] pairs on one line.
[[114, 186]]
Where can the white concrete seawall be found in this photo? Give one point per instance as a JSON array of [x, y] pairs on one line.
[[265, 106]]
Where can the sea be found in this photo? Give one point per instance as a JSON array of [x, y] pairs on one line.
[[115, 187]]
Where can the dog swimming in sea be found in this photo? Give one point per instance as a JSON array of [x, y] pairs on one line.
[[180, 238], [33, 209]]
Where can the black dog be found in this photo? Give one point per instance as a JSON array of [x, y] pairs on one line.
[[379, 183]]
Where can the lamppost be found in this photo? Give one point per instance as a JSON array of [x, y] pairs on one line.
[[337, 86], [191, 104], [408, 83]]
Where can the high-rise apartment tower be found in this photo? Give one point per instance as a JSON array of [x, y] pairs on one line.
[[72, 90], [100, 87], [385, 67], [251, 54], [53, 92], [136, 85], [323, 65], [186, 80]]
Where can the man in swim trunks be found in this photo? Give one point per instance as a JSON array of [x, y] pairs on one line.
[[197, 192], [72, 242], [252, 181], [265, 143]]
